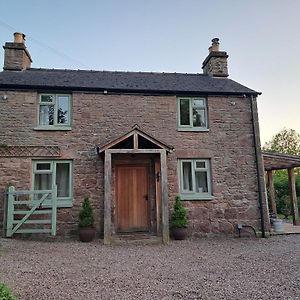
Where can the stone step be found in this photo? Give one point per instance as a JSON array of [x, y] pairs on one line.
[[136, 239]]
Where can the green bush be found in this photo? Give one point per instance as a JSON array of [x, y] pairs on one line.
[[5, 293], [282, 195], [179, 215], [86, 218]]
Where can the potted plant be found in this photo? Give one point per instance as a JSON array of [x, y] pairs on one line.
[[178, 220], [86, 222]]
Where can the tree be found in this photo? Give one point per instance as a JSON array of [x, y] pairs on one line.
[[286, 141]]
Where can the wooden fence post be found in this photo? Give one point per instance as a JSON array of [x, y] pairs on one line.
[[54, 210], [10, 211]]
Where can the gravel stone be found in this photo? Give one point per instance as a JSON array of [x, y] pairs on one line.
[[208, 268]]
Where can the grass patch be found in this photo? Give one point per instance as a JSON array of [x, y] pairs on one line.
[[281, 216], [5, 293]]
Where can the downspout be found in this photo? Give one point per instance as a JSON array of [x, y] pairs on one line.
[[258, 168]]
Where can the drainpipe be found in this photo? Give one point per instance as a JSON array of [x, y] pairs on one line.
[[258, 157]]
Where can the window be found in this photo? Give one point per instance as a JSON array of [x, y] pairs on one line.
[[195, 181], [192, 114], [54, 111], [47, 173]]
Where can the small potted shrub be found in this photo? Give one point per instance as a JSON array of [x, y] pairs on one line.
[[86, 222], [178, 220]]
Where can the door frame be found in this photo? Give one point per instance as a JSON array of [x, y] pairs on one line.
[[108, 197]]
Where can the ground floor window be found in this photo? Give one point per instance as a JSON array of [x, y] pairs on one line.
[[195, 179], [59, 172]]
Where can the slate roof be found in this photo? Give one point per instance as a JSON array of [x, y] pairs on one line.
[[139, 82]]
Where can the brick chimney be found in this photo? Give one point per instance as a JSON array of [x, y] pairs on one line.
[[215, 64], [16, 55]]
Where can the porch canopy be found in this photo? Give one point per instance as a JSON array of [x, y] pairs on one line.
[[136, 141], [279, 161]]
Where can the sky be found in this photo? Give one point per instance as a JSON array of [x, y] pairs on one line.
[[261, 37]]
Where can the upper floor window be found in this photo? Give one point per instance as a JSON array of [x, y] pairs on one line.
[[192, 114], [54, 111], [195, 179]]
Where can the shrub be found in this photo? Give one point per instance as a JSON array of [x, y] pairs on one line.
[[281, 185], [179, 215], [86, 218], [5, 293]]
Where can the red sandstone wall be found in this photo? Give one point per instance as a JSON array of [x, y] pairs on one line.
[[98, 118]]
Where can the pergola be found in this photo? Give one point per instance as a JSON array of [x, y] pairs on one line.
[[279, 161]]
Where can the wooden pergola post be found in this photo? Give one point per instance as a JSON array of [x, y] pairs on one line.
[[272, 192], [293, 195], [164, 194], [107, 198]]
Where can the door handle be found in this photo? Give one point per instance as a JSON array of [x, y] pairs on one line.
[[146, 197]]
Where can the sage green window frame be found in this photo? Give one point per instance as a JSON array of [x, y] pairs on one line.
[[191, 127], [56, 125], [193, 194], [61, 201]]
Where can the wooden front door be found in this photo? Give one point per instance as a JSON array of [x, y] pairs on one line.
[[132, 192]]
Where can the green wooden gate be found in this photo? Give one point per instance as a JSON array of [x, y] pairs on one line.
[[27, 214]]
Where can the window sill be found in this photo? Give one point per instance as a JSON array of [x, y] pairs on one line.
[[197, 197], [52, 128], [193, 129]]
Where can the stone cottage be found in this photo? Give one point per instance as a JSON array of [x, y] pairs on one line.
[[131, 142]]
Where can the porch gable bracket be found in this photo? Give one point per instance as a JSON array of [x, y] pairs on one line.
[[135, 134]]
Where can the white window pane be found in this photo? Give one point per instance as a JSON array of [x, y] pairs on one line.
[[47, 98], [63, 110], [46, 114], [200, 164], [184, 111], [198, 103], [187, 176], [63, 179], [201, 182], [42, 182], [43, 166], [199, 117]]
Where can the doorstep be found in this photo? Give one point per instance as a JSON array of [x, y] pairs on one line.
[[136, 239]]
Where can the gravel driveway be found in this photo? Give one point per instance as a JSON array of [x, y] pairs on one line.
[[208, 268]]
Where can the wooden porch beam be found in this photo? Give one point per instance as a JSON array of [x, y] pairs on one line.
[[164, 193], [293, 196], [134, 151], [107, 198], [272, 192], [135, 141]]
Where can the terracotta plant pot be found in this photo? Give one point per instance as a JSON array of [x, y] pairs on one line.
[[179, 233], [86, 234]]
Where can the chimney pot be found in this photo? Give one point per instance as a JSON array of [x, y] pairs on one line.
[[19, 37], [215, 46]]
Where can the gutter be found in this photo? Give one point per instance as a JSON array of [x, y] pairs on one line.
[[118, 91], [259, 164]]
